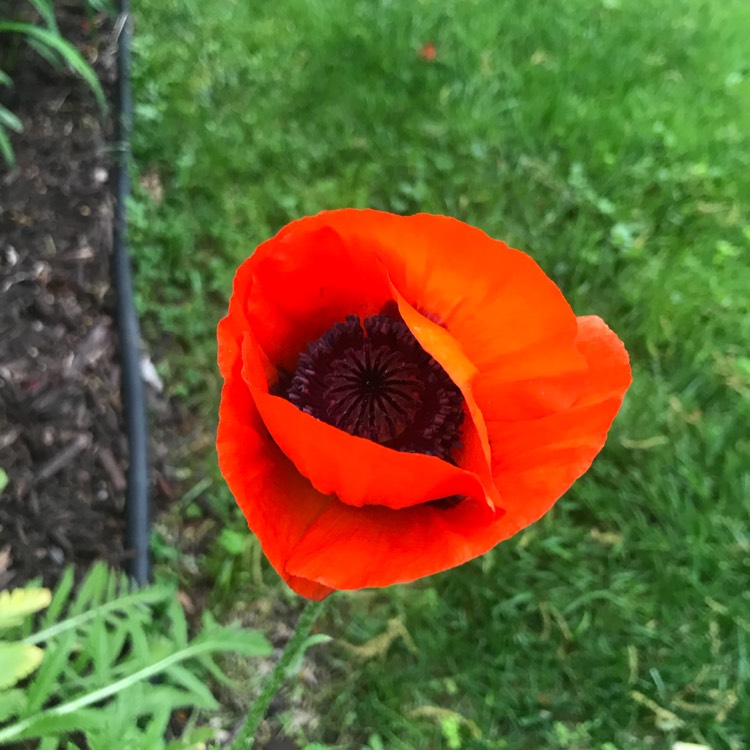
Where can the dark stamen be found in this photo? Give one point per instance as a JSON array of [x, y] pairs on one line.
[[372, 379]]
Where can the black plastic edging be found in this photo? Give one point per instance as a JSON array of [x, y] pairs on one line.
[[137, 511]]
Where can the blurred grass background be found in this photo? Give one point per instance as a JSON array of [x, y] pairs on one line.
[[610, 139]]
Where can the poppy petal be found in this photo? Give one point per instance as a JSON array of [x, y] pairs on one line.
[[444, 349], [494, 299], [277, 502], [305, 280], [232, 327], [536, 461], [555, 385], [357, 471], [350, 548]]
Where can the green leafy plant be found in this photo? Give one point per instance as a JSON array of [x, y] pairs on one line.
[[47, 41], [114, 665]]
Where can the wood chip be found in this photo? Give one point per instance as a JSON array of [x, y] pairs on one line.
[[62, 459], [112, 468]]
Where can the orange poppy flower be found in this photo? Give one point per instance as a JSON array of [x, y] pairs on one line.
[[401, 393]]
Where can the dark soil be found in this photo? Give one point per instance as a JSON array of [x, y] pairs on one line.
[[62, 442]]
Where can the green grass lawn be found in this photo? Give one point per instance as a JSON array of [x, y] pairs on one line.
[[611, 140]]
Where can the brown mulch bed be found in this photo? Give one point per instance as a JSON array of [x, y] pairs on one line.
[[62, 442]]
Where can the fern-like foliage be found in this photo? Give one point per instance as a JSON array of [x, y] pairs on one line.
[[117, 662]]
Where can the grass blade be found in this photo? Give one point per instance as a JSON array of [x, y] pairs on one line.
[[6, 149], [47, 12], [67, 51], [9, 120]]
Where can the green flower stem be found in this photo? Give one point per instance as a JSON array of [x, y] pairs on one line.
[[246, 736]]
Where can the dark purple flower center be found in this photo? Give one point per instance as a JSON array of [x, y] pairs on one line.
[[373, 379]]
